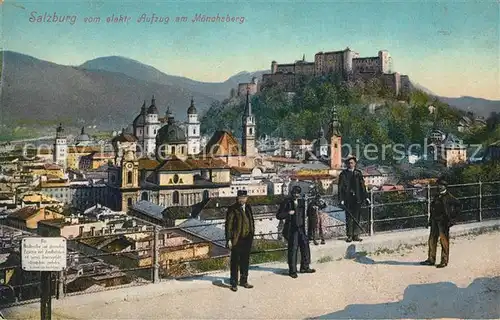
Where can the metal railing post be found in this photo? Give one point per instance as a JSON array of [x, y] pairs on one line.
[[156, 255], [372, 214], [480, 217]]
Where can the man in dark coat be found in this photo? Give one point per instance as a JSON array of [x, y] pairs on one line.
[[315, 219], [240, 230], [444, 208], [352, 194], [293, 211]]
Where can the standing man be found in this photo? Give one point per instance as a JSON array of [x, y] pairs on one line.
[[293, 211], [352, 194], [316, 219], [443, 211], [240, 229]]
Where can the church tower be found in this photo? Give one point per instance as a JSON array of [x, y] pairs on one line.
[[193, 130], [60, 154], [248, 139], [335, 142], [151, 127]]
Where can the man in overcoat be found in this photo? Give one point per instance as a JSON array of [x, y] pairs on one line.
[[240, 230], [444, 208], [352, 195], [293, 211]]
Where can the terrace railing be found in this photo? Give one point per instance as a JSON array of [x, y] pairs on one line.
[[103, 262]]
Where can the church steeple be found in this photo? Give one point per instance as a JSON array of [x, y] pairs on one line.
[[248, 138], [335, 142], [192, 108], [304, 57], [335, 124], [83, 130], [248, 104]]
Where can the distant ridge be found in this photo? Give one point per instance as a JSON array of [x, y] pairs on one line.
[[109, 91]]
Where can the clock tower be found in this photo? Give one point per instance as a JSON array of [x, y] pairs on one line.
[[129, 180]]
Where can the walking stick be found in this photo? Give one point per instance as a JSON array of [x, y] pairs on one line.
[[354, 219]]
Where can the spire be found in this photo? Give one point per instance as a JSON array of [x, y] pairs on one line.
[[303, 57], [192, 108], [169, 115], [83, 130], [248, 105], [143, 108], [153, 101], [321, 132], [335, 124]]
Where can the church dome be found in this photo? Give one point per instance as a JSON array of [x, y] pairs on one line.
[[83, 137], [171, 133], [141, 118], [192, 108]]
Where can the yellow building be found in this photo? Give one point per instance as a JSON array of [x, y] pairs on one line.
[[171, 182], [39, 200], [46, 169], [452, 151], [95, 160], [27, 218]]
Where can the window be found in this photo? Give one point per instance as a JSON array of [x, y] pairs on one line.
[[81, 230], [176, 178], [144, 196], [172, 150], [129, 177], [129, 202], [251, 131], [183, 150], [194, 131], [175, 197]]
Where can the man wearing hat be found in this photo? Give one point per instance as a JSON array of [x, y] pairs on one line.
[[240, 229], [293, 211], [444, 208], [352, 194]]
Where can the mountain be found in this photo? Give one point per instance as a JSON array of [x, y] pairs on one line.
[[138, 70], [423, 89], [36, 92], [479, 106]]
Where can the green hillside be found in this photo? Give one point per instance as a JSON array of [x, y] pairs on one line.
[[403, 119]]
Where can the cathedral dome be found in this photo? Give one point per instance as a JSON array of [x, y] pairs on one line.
[[141, 118], [83, 137], [192, 108], [171, 133]]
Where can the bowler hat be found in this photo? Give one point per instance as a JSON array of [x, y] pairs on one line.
[[351, 157], [242, 193]]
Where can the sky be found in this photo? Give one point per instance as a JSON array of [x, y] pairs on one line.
[[450, 47]]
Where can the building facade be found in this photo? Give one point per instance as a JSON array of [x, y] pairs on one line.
[[346, 64]]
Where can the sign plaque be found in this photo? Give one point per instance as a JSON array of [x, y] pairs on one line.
[[43, 254]]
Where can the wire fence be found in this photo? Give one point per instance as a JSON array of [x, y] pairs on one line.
[[149, 254]]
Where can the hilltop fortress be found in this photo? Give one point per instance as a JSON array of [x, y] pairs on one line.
[[346, 63]]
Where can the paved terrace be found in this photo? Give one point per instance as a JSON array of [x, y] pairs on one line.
[[378, 278]]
